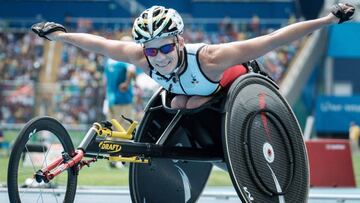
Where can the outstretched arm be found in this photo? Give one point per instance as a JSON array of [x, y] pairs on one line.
[[118, 50], [226, 55]]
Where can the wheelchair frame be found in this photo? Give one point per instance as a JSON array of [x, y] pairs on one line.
[[100, 143]]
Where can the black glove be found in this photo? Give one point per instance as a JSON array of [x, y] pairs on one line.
[[44, 28], [343, 11]]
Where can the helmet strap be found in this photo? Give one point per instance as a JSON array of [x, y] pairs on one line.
[[181, 61]]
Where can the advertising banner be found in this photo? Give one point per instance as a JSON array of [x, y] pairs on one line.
[[334, 114]]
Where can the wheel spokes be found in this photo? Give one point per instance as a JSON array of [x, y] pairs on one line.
[[33, 161]]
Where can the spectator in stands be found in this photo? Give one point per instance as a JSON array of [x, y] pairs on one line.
[[191, 71], [354, 135], [1, 139], [119, 90], [227, 30], [254, 26]]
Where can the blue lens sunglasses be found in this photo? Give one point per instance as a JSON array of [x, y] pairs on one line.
[[165, 49]]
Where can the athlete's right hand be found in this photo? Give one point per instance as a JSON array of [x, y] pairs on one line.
[[48, 30]]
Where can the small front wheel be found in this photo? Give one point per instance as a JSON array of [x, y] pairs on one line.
[[39, 143]]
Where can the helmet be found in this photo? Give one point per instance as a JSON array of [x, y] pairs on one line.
[[157, 22]]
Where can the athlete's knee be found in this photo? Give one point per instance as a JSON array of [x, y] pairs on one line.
[[179, 102], [196, 101]]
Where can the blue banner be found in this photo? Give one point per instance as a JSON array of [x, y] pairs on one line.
[[334, 114], [344, 41]]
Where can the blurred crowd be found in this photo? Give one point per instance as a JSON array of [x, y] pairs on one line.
[[20, 62], [80, 90]]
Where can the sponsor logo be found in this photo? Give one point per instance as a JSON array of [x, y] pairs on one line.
[[109, 147], [193, 79], [186, 183], [249, 196], [335, 147]]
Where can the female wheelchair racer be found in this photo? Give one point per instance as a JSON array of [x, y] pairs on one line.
[[250, 129], [247, 129]]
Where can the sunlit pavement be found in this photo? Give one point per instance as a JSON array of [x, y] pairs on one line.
[[210, 195]]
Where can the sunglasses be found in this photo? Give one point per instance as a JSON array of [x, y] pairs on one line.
[[165, 49]]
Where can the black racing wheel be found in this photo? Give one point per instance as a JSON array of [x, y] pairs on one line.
[[263, 144]]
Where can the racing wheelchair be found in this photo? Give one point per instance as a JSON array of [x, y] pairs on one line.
[[247, 129]]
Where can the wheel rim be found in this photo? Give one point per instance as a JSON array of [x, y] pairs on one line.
[[35, 150]]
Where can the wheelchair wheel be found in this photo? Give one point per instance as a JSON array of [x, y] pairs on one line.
[[263, 144], [165, 180], [40, 142]]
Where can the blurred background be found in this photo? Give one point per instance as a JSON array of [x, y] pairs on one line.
[[319, 74]]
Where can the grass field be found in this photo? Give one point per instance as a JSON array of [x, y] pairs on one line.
[[101, 174]]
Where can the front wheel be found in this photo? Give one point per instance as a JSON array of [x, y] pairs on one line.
[[39, 143]]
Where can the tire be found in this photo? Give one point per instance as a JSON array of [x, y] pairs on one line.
[[25, 159], [263, 144]]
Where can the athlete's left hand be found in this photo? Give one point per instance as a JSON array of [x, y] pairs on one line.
[[343, 12]]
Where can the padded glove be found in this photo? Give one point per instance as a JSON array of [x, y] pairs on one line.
[[44, 28], [343, 11]]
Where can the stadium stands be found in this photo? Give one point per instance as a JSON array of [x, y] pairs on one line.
[[78, 93]]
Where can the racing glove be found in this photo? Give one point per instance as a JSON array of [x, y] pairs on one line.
[[44, 28], [343, 11]]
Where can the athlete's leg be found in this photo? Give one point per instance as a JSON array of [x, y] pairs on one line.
[[197, 101], [179, 102]]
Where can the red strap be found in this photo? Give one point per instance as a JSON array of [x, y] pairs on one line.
[[231, 74]]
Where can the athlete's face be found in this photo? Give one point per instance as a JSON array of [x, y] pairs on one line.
[[162, 54]]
